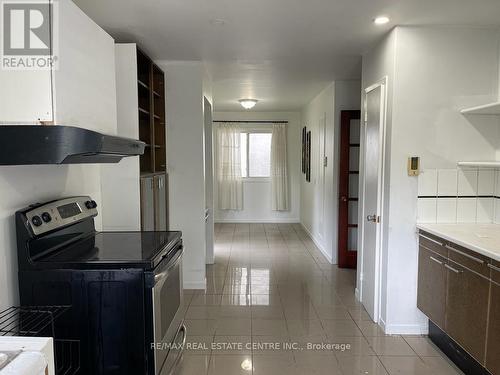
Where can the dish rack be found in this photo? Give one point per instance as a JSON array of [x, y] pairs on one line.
[[39, 321]]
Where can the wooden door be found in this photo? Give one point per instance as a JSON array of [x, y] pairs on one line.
[[493, 345], [160, 203], [431, 298], [348, 188], [467, 309], [147, 204]]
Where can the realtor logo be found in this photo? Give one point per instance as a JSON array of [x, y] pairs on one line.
[[28, 40]]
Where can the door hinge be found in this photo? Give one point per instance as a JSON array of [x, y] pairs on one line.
[[325, 161]]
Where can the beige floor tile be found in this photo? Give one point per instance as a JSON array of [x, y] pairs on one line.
[[192, 365], [333, 312], [230, 365], [390, 346], [370, 329], [423, 346], [232, 345], [352, 346], [202, 312], [315, 364], [269, 327], [206, 300], [406, 366], [441, 365], [200, 327], [265, 300], [268, 312], [234, 327], [340, 328], [235, 300], [274, 365], [358, 365], [302, 328], [272, 346], [236, 289], [198, 345]]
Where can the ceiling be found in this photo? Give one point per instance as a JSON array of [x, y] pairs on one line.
[[281, 52]]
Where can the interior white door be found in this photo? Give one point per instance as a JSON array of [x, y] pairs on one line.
[[209, 183], [372, 189]]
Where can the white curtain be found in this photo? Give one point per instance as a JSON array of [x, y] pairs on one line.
[[279, 170], [229, 167]]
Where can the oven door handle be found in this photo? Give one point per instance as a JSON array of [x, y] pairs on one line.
[[182, 329], [171, 264]]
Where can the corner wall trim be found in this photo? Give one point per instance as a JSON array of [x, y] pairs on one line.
[[404, 329], [318, 244]]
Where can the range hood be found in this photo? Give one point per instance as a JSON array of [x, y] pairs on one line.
[[56, 144]]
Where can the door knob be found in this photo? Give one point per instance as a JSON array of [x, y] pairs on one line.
[[372, 218], [343, 198]]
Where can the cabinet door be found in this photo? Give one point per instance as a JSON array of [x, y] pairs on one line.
[[431, 299], [147, 204], [160, 203], [493, 345], [467, 309]]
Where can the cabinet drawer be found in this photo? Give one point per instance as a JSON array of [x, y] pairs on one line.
[[431, 298], [495, 271], [433, 243], [468, 259]]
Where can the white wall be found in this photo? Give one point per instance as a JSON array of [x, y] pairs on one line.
[[257, 193], [433, 73], [185, 159], [319, 209]]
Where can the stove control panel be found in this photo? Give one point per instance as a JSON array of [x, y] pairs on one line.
[[53, 215]]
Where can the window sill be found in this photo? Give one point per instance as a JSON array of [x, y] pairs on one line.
[[256, 180]]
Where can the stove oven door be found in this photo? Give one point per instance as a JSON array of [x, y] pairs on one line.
[[167, 299]]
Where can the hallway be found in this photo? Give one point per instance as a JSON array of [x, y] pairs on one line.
[[271, 286]]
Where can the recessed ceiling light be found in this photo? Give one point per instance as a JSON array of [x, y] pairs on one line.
[[381, 20], [218, 22], [248, 103]]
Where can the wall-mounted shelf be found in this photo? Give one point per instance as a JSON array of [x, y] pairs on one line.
[[487, 109], [479, 164]]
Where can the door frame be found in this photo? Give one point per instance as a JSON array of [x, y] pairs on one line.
[[345, 260], [382, 83]]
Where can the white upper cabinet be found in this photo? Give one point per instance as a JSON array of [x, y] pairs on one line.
[[79, 91]]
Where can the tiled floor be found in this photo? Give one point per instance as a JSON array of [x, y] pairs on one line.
[[271, 286]]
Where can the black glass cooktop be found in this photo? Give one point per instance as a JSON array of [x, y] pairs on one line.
[[106, 249]]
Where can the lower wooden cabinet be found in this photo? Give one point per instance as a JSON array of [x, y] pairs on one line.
[[154, 202], [467, 309], [493, 344], [432, 285]]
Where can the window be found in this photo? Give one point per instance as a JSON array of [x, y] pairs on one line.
[[255, 154]]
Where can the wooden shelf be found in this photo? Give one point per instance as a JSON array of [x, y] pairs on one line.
[[479, 164], [486, 109]]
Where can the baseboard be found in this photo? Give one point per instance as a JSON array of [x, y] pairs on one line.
[[404, 329], [356, 294], [270, 221], [318, 244], [195, 285]]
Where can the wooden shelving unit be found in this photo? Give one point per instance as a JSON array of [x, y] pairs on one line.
[[152, 126]]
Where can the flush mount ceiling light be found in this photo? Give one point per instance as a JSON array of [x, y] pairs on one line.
[[381, 20], [248, 103]]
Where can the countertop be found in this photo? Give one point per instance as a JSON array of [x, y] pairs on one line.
[[43, 345], [481, 238]]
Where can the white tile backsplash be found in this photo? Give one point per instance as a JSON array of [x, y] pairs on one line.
[[467, 182], [446, 210], [427, 183], [485, 210], [426, 210], [447, 182], [486, 182], [466, 210], [463, 196]]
